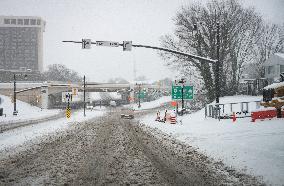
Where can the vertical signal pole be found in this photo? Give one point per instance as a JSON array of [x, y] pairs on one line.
[[84, 96]]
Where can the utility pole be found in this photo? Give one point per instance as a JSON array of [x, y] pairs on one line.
[[217, 76], [84, 96], [15, 99]]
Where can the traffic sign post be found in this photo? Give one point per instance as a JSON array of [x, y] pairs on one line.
[[68, 109]]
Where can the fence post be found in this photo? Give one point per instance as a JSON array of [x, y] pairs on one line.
[[257, 104]]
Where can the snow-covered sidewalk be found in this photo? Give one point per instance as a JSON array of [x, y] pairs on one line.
[[257, 147]]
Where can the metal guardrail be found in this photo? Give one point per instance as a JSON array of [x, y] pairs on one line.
[[218, 111]]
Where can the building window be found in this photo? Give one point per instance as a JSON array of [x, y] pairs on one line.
[[270, 70], [13, 21], [33, 21], [20, 21], [6, 21], [281, 68], [38, 21], [26, 21]]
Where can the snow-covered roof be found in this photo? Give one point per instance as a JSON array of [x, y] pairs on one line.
[[276, 59], [280, 55], [274, 85]]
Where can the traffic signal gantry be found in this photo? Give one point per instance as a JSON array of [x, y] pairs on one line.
[[127, 46]]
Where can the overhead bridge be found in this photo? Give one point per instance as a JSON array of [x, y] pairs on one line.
[[38, 93]]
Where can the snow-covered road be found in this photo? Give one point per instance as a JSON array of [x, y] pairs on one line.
[[19, 136]]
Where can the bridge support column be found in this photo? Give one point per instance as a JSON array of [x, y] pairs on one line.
[[44, 97]]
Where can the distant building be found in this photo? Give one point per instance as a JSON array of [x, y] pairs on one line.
[[21, 43], [273, 66]]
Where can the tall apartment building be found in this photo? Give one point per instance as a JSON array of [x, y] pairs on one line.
[[21, 43]]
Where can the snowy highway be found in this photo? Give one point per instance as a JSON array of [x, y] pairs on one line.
[[112, 151]]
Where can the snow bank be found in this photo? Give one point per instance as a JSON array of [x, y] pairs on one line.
[[25, 111], [257, 146]]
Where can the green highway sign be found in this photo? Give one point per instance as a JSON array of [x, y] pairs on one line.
[[141, 95], [187, 92]]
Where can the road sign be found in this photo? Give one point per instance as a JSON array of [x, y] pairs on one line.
[[127, 45], [187, 92], [74, 91], [68, 112], [173, 103], [107, 43], [141, 94], [68, 96], [86, 43]]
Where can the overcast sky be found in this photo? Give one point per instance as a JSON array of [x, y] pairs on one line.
[[141, 21]]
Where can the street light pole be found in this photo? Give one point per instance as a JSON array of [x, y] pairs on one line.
[[15, 99]]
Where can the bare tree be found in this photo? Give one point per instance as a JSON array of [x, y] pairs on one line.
[[117, 80], [271, 41], [58, 72], [195, 32]]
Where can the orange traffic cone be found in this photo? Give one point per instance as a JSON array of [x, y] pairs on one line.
[[158, 116], [173, 120], [234, 117]]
